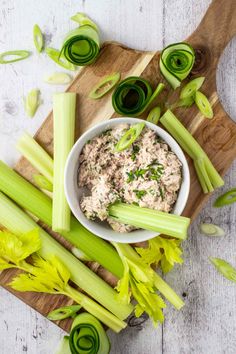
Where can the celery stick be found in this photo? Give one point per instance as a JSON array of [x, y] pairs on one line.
[[18, 222], [149, 219], [40, 205], [63, 139]]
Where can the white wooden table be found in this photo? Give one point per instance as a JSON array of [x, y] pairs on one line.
[[207, 324]]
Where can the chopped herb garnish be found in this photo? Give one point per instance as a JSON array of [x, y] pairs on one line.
[[135, 151], [135, 203], [139, 193], [162, 193], [130, 177], [107, 132], [140, 172]]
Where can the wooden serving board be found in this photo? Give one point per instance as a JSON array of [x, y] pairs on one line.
[[216, 136]]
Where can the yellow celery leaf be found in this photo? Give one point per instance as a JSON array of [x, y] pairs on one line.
[[122, 287], [166, 251], [14, 249]]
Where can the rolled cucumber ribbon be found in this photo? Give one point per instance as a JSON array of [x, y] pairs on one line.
[[81, 46], [176, 62], [133, 95]]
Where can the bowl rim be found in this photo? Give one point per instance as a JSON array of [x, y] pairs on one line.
[[72, 190]]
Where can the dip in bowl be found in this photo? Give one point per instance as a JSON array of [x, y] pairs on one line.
[[151, 173]]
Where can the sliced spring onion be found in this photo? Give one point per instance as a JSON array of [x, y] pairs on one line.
[[81, 46], [64, 347], [15, 55], [84, 20], [37, 203], [129, 137], [64, 105], [226, 199], [38, 38], [133, 95], [149, 219], [192, 87], [36, 155], [18, 222], [203, 104], [88, 336], [208, 177], [104, 86], [58, 79], [63, 312], [211, 230], [176, 62], [154, 115], [42, 182], [31, 102], [224, 268], [59, 58]]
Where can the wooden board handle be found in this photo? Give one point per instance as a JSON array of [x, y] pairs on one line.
[[216, 29]]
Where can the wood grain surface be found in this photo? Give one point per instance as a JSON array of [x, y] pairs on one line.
[[216, 136]]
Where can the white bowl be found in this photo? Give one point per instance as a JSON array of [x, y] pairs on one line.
[[74, 193]]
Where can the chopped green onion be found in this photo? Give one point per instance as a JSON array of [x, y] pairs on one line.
[[203, 105], [208, 177], [211, 230], [59, 58], [129, 137], [38, 38], [226, 199], [36, 155], [64, 347], [104, 86], [192, 87], [42, 182], [58, 79], [63, 139], [176, 63], [133, 95], [88, 336], [63, 312], [154, 115], [224, 268], [32, 102], [16, 55], [81, 46], [150, 219], [17, 221]]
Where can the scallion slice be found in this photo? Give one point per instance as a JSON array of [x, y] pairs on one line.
[[203, 104], [16, 55], [38, 38], [211, 230], [59, 58], [154, 115], [88, 336], [63, 312], [104, 86], [42, 182], [81, 46], [58, 79], [224, 268], [176, 62], [133, 95], [31, 102], [192, 87], [129, 137], [226, 199]]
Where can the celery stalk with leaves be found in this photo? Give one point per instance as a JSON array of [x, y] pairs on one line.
[[49, 275]]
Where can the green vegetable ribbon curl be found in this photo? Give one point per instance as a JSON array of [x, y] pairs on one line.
[[176, 62], [133, 95], [88, 336], [81, 46]]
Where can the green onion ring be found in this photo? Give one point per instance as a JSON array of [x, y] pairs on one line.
[[154, 115], [133, 95], [176, 62], [129, 137], [38, 38], [226, 199], [59, 58], [88, 336], [63, 312], [192, 87], [81, 46], [22, 54], [104, 86], [203, 104]]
